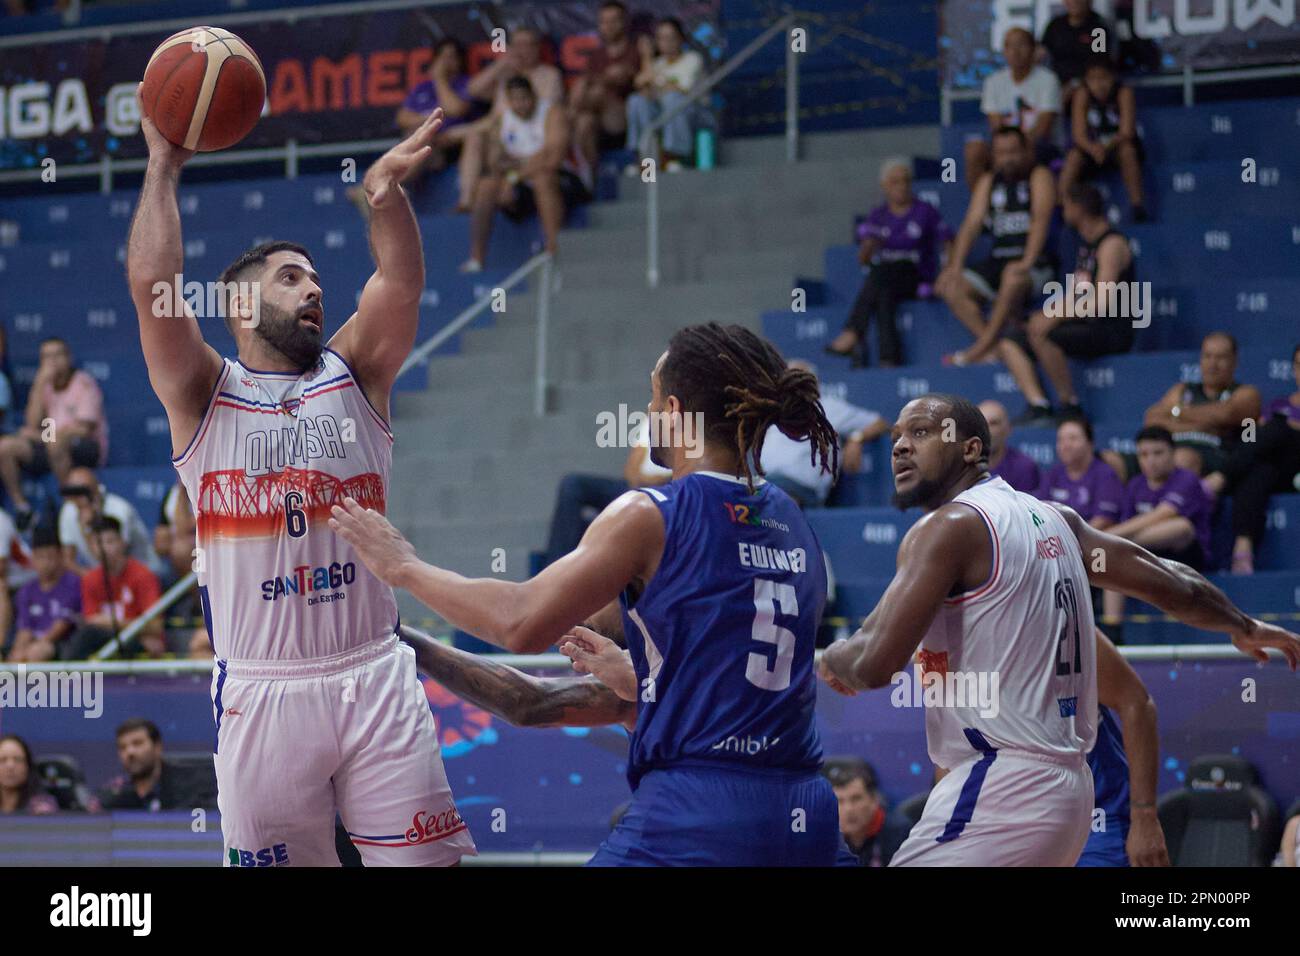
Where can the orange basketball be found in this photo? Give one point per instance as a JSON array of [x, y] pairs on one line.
[[204, 88]]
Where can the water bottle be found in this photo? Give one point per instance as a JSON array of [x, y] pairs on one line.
[[704, 149]]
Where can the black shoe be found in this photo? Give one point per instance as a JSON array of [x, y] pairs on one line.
[[1033, 415], [1070, 410]]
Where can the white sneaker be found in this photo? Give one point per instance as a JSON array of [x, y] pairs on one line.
[[470, 266]]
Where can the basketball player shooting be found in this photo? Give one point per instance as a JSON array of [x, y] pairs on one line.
[[317, 704], [993, 581]]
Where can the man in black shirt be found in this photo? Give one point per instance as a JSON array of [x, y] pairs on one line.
[[151, 783], [871, 832], [1070, 39]]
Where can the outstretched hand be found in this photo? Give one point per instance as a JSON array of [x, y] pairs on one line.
[[1264, 635], [400, 162], [378, 544], [597, 655]]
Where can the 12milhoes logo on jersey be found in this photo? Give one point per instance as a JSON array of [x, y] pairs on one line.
[[305, 580]]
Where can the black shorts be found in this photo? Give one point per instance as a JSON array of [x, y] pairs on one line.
[[572, 192], [1093, 168], [985, 276], [85, 454], [1084, 338]]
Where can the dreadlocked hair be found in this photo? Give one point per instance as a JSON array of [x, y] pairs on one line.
[[743, 386]]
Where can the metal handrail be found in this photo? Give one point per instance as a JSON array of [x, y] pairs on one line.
[[1187, 79], [543, 261], [712, 80], [129, 633]]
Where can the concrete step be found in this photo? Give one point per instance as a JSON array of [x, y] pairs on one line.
[[770, 150]]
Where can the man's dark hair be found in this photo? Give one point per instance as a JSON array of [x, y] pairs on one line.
[[612, 3], [139, 723], [1232, 340], [54, 338], [1155, 433], [968, 418], [520, 83], [1089, 198], [1081, 422], [32, 786], [675, 24], [1099, 61], [1015, 131], [45, 536], [106, 523], [253, 258], [842, 771], [743, 386]]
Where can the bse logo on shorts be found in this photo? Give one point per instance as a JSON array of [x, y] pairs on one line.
[[277, 855], [305, 579]]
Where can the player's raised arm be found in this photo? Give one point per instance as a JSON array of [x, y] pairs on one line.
[[518, 698], [182, 367], [1120, 689], [1120, 565], [378, 337], [622, 545], [934, 557]]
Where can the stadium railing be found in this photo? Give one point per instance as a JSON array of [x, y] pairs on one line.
[[1188, 79], [782, 26]]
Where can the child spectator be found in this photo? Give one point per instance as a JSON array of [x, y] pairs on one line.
[[48, 606], [1104, 127], [116, 593]]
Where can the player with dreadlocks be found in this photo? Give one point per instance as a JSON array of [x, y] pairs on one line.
[[717, 583]]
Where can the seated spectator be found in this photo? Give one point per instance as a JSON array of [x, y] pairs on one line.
[[662, 84], [523, 57], [788, 465], [117, 592], [599, 97], [1022, 95], [1104, 124], [447, 88], [901, 241], [1166, 511], [1255, 470], [1207, 417], [84, 500], [528, 169], [1006, 462], [1073, 39], [1080, 479], [196, 641], [582, 497], [872, 832], [71, 399], [1104, 259], [150, 782], [20, 789], [1014, 204], [49, 605]]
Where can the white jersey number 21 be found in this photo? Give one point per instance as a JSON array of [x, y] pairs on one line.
[[757, 672]]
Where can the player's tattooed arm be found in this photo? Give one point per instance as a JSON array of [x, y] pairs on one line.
[[946, 550], [1120, 689], [1120, 565], [518, 698]]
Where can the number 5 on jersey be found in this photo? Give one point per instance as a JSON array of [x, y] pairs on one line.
[[768, 596]]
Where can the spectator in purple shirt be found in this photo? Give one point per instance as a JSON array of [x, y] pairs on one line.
[[1166, 510], [1259, 469], [1011, 465], [48, 606], [900, 241], [1080, 479]]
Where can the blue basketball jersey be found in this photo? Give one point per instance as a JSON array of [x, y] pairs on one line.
[[722, 637], [1109, 768]]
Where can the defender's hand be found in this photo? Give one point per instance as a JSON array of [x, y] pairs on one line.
[[160, 147], [597, 655], [1262, 635], [378, 544], [401, 161]]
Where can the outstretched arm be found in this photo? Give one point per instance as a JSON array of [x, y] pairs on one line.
[[944, 549], [1120, 565], [182, 367], [378, 337], [624, 543], [516, 697], [1120, 689]]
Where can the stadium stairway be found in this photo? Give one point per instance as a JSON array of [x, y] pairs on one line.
[[475, 470]]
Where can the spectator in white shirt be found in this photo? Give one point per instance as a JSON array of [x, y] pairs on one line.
[[662, 85], [84, 499], [788, 464], [1023, 94]]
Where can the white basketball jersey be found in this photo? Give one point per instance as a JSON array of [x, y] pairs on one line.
[[1026, 632], [522, 138], [273, 453]]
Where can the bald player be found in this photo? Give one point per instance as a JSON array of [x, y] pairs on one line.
[[1005, 461]]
